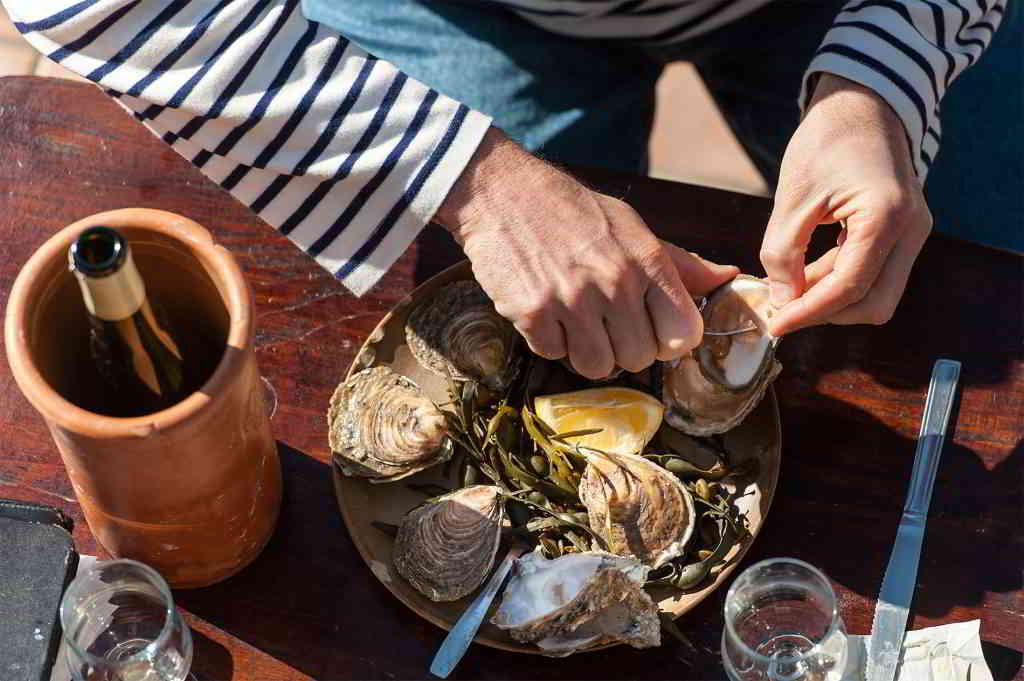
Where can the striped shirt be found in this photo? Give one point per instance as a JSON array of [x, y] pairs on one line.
[[350, 158]]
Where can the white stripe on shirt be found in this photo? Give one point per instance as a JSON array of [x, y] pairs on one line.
[[351, 158]]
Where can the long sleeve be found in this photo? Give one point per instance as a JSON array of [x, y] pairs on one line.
[[908, 51], [338, 150]]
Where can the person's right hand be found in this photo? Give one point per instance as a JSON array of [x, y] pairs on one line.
[[578, 273]]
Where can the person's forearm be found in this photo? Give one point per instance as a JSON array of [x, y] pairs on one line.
[[338, 150], [908, 53]]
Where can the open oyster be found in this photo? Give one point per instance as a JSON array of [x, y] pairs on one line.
[[714, 387], [384, 428], [641, 510], [459, 333], [579, 601], [446, 547]]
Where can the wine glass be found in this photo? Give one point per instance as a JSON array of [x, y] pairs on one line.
[[782, 624], [120, 624]]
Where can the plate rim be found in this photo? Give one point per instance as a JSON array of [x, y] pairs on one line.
[[461, 270]]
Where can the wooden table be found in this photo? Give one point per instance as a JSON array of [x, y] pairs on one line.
[[851, 400]]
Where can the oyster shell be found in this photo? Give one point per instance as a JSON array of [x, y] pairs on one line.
[[712, 389], [641, 510], [446, 547], [459, 333], [382, 427], [579, 601]]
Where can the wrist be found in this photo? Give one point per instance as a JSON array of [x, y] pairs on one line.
[[500, 173], [854, 110], [461, 204]]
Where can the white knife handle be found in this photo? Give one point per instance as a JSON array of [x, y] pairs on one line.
[[937, 407]]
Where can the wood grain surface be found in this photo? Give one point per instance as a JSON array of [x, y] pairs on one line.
[[850, 401]]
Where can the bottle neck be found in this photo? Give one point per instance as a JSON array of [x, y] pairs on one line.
[[115, 296]]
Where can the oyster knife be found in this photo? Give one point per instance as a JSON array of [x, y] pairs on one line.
[[890, 621], [462, 634]]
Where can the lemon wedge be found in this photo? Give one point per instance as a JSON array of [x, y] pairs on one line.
[[628, 418]]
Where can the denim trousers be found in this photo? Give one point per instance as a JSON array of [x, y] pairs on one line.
[[591, 102]]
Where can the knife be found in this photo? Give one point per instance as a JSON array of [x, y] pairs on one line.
[[461, 635], [890, 622]]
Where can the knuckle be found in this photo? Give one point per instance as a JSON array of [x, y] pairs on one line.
[[926, 221], [902, 204], [621, 280], [851, 291], [880, 315], [773, 257]]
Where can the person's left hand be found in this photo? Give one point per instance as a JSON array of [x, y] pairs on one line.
[[848, 162]]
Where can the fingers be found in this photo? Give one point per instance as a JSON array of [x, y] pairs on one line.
[[632, 338], [697, 275], [590, 349], [817, 270], [678, 326], [862, 280], [785, 245], [544, 334], [880, 303]]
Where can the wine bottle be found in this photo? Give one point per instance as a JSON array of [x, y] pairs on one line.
[[135, 355]]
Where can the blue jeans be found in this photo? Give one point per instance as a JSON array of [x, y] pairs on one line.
[[591, 102]]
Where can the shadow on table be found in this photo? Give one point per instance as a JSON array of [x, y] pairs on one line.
[[833, 450], [210, 660], [1003, 662], [437, 251], [310, 602], [284, 601]]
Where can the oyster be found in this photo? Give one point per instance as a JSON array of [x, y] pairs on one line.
[[641, 510], [458, 333], [579, 601], [384, 428], [446, 547], [712, 389]]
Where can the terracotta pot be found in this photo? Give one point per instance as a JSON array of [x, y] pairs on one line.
[[193, 490]]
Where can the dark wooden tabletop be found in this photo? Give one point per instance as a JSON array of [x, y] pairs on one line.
[[850, 398]]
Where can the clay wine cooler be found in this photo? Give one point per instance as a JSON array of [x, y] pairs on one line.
[[194, 490]]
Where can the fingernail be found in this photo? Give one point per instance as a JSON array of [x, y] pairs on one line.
[[780, 293]]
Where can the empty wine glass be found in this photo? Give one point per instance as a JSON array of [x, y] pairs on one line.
[[120, 624], [782, 624]]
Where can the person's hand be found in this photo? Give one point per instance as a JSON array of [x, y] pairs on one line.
[[578, 273], [848, 162]]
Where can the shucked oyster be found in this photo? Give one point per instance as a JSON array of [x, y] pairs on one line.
[[459, 333], [714, 387], [640, 509], [579, 601], [446, 547], [384, 428]]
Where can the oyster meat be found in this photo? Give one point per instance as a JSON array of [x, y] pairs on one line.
[[445, 548], [382, 427], [641, 510], [712, 389], [578, 601], [458, 333]]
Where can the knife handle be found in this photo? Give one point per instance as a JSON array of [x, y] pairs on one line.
[[937, 408]]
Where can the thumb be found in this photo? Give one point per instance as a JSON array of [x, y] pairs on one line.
[[698, 275], [783, 252]]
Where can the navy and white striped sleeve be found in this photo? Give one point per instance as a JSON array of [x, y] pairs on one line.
[[908, 51], [338, 150]]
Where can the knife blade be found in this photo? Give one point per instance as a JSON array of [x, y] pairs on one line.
[[890, 621], [462, 634]]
